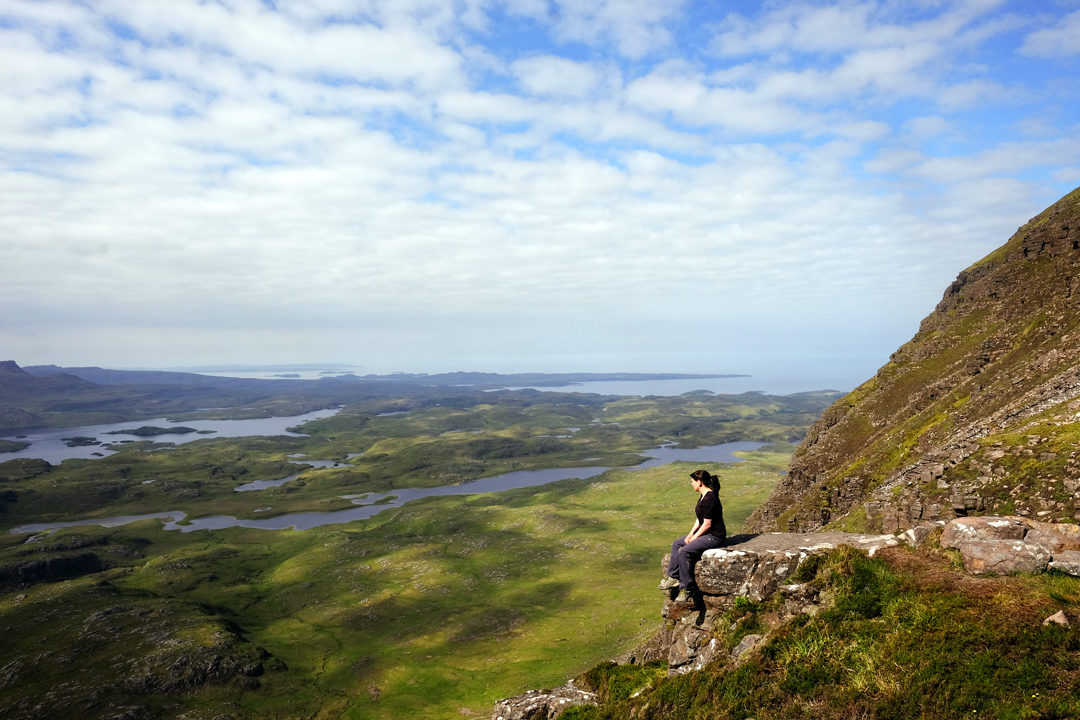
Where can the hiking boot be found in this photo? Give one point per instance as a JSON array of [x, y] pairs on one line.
[[668, 583], [684, 595]]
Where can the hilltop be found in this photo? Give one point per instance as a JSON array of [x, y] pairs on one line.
[[975, 414]]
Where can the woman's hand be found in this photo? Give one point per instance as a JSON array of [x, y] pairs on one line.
[[699, 530]]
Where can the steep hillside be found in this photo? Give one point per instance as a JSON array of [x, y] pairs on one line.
[[904, 635], [976, 413]]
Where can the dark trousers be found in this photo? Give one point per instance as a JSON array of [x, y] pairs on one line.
[[684, 556]]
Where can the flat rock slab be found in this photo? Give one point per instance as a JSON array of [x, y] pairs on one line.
[[806, 542], [754, 566]]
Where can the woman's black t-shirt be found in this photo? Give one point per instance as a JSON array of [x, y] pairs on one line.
[[709, 507]]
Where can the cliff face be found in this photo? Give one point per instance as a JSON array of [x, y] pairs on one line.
[[977, 413]]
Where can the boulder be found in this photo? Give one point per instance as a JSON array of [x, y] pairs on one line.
[[994, 544], [542, 704], [707, 654], [750, 566], [1003, 556], [1055, 537], [1067, 561], [983, 528], [917, 535], [748, 643]]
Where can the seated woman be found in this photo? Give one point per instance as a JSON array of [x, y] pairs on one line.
[[708, 532]]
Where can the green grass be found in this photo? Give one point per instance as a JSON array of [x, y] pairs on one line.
[[905, 637], [426, 447], [433, 610]]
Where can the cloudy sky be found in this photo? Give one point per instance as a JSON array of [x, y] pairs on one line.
[[551, 185]]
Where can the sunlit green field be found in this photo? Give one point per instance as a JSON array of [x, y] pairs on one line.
[[440, 607], [434, 610]]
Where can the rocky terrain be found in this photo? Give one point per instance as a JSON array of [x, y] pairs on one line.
[[976, 414], [779, 570]]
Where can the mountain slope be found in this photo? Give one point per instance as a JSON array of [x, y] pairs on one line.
[[977, 412]]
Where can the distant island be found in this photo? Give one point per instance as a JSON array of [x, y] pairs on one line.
[[151, 431], [80, 441], [7, 446]]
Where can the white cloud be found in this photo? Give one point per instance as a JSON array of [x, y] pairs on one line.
[[634, 27], [839, 29], [970, 94], [1011, 158], [253, 34], [835, 54], [926, 126], [1061, 40], [405, 175], [556, 76]]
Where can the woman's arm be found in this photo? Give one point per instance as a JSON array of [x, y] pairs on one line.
[[700, 528]]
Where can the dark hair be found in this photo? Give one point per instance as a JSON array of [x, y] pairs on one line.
[[707, 479]]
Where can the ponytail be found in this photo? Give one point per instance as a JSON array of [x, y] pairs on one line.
[[707, 479]]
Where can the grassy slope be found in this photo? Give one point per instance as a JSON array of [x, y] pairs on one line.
[[907, 636], [433, 610]]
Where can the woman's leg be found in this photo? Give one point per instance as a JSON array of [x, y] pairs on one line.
[[673, 563], [690, 553]]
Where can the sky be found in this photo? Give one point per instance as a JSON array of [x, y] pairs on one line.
[[516, 185]]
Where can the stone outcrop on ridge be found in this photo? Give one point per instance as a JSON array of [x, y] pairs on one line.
[[753, 566], [759, 566]]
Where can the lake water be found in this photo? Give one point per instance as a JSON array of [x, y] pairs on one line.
[[264, 484], [373, 503], [48, 444]]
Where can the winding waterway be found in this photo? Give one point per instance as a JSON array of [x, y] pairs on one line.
[[373, 503]]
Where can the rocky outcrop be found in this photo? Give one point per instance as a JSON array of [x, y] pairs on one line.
[[971, 416], [1013, 544], [754, 567], [750, 566], [761, 566], [49, 569], [542, 704]]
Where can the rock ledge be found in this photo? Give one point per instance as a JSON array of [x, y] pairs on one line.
[[759, 566]]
